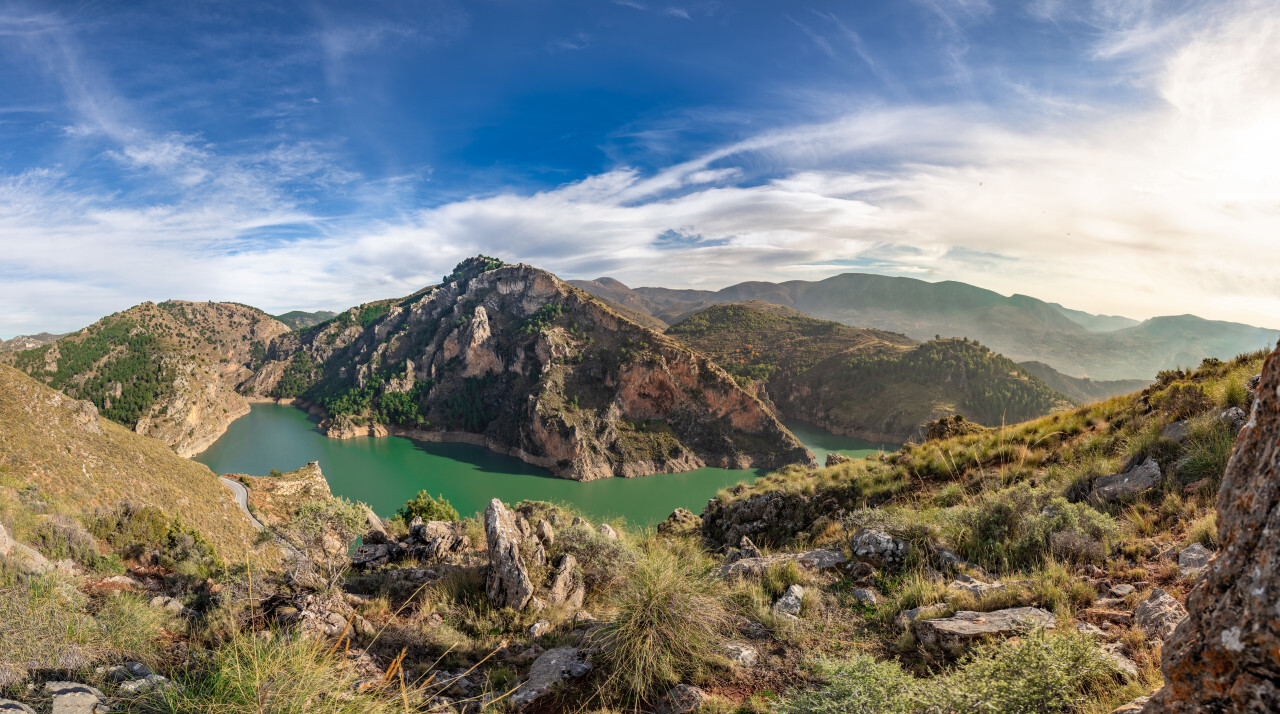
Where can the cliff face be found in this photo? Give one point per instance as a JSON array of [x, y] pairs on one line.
[[1225, 656], [519, 361], [169, 370]]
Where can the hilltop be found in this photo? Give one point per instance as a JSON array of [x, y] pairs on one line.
[[1020, 327], [299, 319], [167, 370], [512, 358], [27, 342], [869, 384]]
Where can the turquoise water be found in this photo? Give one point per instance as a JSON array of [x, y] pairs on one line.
[[385, 472]]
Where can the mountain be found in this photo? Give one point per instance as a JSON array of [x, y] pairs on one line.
[[1020, 327], [59, 449], [1082, 390], [1095, 323], [167, 370], [513, 358], [868, 384], [297, 319], [27, 342]]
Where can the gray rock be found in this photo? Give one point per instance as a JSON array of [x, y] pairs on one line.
[[607, 531], [377, 531], [441, 541], [1115, 487], [8, 706], [551, 668], [1112, 654], [29, 560], [545, 533], [879, 548], [865, 596], [75, 698], [1254, 381], [539, 628], [682, 699], [6, 541], [977, 588], [1085, 628], [791, 601], [966, 626], [507, 581], [748, 549], [580, 521], [1122, 590], [1235, 418], [740, 654], [562, 585], [812, 561], [835, 459], [1175, 431], [174, 606], [1193, 560], [907, 618], [1133, 707], [681, 520], [1158, 615], [149, 683]]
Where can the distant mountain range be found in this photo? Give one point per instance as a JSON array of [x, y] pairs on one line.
[[1022, 328], [300, 320]]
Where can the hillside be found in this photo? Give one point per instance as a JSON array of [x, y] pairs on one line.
[[1082, 390], [58, 449], [299, 320], [514, 359], [1019, 327], [868, 384], [27, 342], [166, 370]]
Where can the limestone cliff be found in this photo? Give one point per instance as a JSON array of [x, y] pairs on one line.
[[515, 359], [167, 370], [1225, 656]]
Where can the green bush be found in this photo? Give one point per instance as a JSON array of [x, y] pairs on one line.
[[427, 508], [604, 561], [1015, 528], [860, 684], [1208, 449]]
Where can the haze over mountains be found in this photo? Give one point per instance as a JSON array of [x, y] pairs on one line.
[[1020, 327]]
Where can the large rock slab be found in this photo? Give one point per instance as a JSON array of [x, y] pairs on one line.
[[506, 582], [1119, 486], [812, 561], [1158, 615], [551, 668], [965, 626], [1225, 656]]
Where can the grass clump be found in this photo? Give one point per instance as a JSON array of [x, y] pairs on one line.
[[669, 622]]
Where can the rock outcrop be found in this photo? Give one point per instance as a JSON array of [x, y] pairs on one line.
[[551, 668], [1141, 477], [506, 581], [1225, 656], [965, 626]]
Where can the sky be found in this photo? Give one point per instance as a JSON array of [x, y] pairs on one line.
[[1116, 156]]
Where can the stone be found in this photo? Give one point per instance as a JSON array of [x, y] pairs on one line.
[[372, 555], [6, 541], [580, 521], [791, 601], [549, 669], [1105, 617], [1234, 418], [1254, 381], [977, 588], [812, 561], [1223, 657], [879, 548], [1085, 628], [835, 459], [682, 699], [966, 626], [29, 560], [562, 585], [545, 533], [748, 549], [907, 618], [607, 531], [1176, 431], [8, 706], [75, 698], [740, 654], [1132, 707], [681, 520], [507, 581], [1158, 615], [1193, 560], [1122, 590], [377, 532], [865, 596], [539, 628], [1136, 480], [441, 541], [174, 606], [149, 683], [1112, 654]]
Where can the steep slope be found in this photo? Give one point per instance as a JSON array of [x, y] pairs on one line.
[[28, 342], [64, 450], [1082, 390], [869, 384], [513, 358], [1020, 327], [167, 370], [299, 319]]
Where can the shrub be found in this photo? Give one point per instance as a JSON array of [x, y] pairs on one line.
[[427, 508], [604, 561], [668, 626], [861, 684], [321, 532], [1015, 527], [59, 537]]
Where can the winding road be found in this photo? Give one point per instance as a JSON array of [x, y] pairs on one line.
[[242, 498]]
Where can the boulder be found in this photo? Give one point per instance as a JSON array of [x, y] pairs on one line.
[[1113, 656], [1119, 486], [1121, 590], [740, 654], [607, 531], [440, 540], [539, 628], [8, 706], [562, 585], [747, 549], [545, 533], [865, 596], [965, 626], [1176, 431], [373, 555], [1158, 615], [549, 669], [1193, 560], [682, 699], [6, 541], [377, 531], [507, 581], [1085, 628], [681, 520], [75, 698], [1234, 418], [812, 561], [907, 618], [879, 548], [835, 459], [1225, 656], [174, 606], [791, 601]]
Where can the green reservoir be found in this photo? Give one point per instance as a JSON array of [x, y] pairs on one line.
[[386, 472]]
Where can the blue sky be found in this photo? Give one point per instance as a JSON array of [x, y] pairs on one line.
[[1115, 156]]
